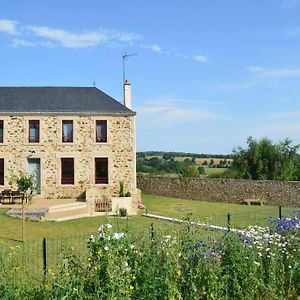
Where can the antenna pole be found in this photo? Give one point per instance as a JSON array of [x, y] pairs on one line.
[[124, 57], [123, 60]]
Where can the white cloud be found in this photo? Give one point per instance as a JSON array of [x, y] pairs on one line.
[[8, 26], [81, 40], [22, 43], [274, 73], [50, 37], [166, 111], [200, 58], [155, 48]]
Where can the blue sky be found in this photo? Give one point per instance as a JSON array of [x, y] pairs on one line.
[[208, 74]]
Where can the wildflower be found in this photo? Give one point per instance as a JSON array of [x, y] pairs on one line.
[[118, 235], [256, 263], [108, 226], [106, 248]]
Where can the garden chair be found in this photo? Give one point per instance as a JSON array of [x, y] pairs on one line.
[[17, 195], [6, 196]]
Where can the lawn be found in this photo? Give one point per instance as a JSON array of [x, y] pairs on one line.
[[207, 212], [71, 237], [213, 212]]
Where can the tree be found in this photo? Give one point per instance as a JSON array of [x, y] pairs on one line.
[[201, 170], [265, 160], [167, 156], [189, 171]]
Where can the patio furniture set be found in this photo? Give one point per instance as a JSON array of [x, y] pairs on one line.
[[8, 196]]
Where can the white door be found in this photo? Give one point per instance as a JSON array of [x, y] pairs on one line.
[[34, 168]]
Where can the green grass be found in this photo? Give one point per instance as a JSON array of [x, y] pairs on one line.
[[63, 236], [213, 171], [207, 212], [212, 212]]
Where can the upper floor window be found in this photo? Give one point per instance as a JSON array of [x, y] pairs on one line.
[[67, 171], [1, 171], [101, 170], [101, 131], [1, 131], [34, 131], [67, 131]]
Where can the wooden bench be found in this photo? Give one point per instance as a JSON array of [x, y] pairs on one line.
[[258, 202]]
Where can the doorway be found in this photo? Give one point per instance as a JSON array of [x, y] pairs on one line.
[[34, 168]]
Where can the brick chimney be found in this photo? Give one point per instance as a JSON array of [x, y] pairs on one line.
[[127, 94]]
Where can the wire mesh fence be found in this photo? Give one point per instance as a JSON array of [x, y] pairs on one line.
[[41, 259]]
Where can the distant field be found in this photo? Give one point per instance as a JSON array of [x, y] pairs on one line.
[[199, 161], [210, 171]]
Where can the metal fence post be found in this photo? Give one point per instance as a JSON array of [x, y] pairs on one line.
[[280, 212], [228, 221], [152, 231], [44, 257]]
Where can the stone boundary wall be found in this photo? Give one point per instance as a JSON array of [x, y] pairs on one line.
[[285, 193]]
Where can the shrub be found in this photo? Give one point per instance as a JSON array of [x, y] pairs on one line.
[[122, 212]]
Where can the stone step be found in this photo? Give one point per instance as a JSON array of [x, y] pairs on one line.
[[65, 215], [67, 207]]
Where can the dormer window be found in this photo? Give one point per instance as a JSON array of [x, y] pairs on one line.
[[67, 131], [101, 131], [34, 131], [1, 131]]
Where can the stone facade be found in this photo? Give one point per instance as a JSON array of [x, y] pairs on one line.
[[285, 193], [119, 149]]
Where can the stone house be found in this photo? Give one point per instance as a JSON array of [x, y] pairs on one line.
[[77, 141]]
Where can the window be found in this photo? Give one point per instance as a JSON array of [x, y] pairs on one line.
[[67, 171], [34, 131], [101, 131], [1, 171], [1, 131], [67, 131], [101, 170]]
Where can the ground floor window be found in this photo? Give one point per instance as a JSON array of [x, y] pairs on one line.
[[101, 170], [1, 171], [67, 171]]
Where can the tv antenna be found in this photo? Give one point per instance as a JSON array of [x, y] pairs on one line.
[[124, 57]]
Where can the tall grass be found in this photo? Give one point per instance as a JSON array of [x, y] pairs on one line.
[[259, 263]]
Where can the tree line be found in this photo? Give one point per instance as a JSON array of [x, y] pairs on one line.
[[167, 163], [260, 160]]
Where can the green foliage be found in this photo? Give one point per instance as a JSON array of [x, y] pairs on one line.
[[24, 181], [121, 189], [122, 212], [189, 171], [120, 265], [264, 160], [201, 170], [162, 163]]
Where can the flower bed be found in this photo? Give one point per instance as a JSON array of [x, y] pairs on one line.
[[258, 263]]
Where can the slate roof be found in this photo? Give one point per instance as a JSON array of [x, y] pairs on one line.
[[59, 100]]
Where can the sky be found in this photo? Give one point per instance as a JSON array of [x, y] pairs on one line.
[[207, 74]]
